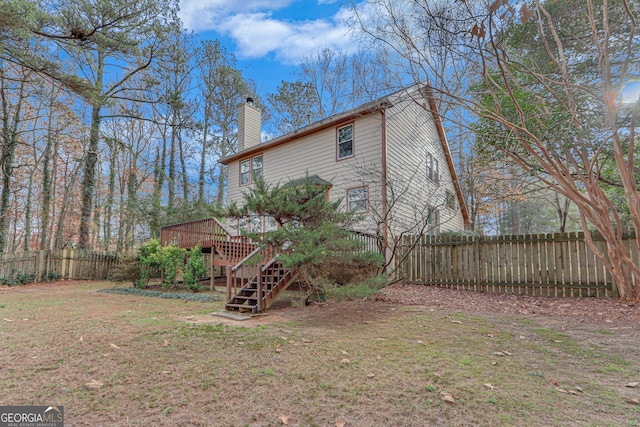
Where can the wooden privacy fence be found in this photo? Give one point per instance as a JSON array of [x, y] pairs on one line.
[[544, 264], [71, 264]]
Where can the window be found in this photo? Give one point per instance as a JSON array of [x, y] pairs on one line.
[[243, 224], [345, 142], [433, 172], [357, 200], [255, 222], [256, 165], [450, 201], [270, 224], [433, 222], [250, 169], [245, 167]]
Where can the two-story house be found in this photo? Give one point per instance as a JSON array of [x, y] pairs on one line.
[[387, 160]]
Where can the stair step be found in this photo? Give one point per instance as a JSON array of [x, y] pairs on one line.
[[247, 298], [240, 306]]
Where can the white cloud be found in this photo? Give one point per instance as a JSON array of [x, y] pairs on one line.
[[207, 14], [257, 34]]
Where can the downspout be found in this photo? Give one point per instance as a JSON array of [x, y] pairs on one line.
[[385, 230]]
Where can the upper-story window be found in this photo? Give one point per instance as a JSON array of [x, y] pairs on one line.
[[450, 201], [433, 172], [250, 169], [345, 142]]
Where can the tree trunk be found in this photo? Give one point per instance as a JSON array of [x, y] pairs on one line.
[[203, 156], [10, 128], [89, 179]]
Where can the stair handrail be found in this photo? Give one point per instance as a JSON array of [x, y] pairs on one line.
[[245, 259], [270, 262]]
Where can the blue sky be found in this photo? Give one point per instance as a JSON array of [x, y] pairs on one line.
[[270, 37]]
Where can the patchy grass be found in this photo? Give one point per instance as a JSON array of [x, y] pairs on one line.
[[130, 360]]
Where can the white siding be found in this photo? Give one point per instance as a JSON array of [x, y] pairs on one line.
[[411, 133], [315, 154]]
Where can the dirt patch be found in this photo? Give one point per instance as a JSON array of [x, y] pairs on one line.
[[600, 310]]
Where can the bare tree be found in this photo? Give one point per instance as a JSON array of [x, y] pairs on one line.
[[544, 67]]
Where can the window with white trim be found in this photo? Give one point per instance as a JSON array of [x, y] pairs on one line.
[[433, 172], [250, 170], [358, 200], [345, 142]]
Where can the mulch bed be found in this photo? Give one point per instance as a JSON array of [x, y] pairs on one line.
[[604, 310]]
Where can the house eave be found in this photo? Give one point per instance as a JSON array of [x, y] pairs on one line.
[[332, 121]]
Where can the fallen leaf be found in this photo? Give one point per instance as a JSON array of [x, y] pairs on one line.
[[381, 339], [578, 388], [94, 384], [633, 385], [506, 352], [379, 357], [285, 419], [278, 349], [114, 346], [447, 397], [490, 335], [166, 372], [340, 423], [345, 361], [498, 353], [370, 375], [489, 386], [494, 363], [344, 353], [292, 341], [165, 343], [437, 374], [81, 339], [561, 390], [575, 393], [8, 320], [630, 400], [306, 341], [420, 342], [240, 342], [456, 321]]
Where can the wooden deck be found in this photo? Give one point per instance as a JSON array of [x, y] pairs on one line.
[[251, 286]]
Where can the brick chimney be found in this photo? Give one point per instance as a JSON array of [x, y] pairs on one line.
[[249, 118]]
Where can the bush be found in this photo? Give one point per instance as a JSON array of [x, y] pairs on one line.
[[366, 289], [169, 258], [23, 278], [194, 270], [128, 269], [51, 276]]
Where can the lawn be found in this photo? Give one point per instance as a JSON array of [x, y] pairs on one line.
[[120, 360]]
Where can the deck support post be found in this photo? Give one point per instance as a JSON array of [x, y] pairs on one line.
[[259, 289], [228, 282]]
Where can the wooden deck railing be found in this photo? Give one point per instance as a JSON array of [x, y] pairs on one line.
[[208, 233], [204, 232]]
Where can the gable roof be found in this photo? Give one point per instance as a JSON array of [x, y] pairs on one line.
[[362, 110]]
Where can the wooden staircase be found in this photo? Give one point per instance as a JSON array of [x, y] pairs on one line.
[[252, 288], [255, 277]]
